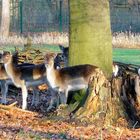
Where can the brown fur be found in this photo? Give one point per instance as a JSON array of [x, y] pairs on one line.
[[64, 75], [23, 76], [74, 77], [3, 74], [16, 74]]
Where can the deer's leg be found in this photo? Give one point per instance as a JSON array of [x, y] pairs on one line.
[[54, 99], [4, 90], [66, 96], [35, 100], [24, 97], [66, 61], [63, 96]]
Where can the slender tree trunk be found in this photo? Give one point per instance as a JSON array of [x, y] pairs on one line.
[[90, 34], [5, 19]]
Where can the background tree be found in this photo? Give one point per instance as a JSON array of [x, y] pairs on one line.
[[5, 19]]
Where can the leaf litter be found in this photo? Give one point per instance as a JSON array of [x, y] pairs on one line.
[[37, 124]]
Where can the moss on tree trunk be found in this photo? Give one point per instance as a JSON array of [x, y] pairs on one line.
[[90, 34]]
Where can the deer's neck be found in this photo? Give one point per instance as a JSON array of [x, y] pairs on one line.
[[14, 74], [3, 73], [52, 74], [10, 69]]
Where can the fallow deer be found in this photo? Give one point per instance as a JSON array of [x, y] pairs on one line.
[[23, 77], [5, 80], [27, 75], [69, 78]]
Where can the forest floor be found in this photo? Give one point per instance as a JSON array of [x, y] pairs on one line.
[[36, 124]]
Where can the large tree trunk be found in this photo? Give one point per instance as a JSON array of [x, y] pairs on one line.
[[90, 34], [5, 19], [90, 42]]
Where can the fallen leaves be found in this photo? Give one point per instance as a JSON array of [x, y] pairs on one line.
[[18, 124]]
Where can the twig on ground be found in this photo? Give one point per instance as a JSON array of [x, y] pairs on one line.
[[14, 108], [13, 104]]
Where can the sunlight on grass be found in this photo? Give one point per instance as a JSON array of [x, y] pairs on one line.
[[130, 56]]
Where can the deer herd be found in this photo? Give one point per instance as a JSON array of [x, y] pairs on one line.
[[59, 80]]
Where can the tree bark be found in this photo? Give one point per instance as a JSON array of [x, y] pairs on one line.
[[114, 100], [90, 34], [103, 106], [5, 19]]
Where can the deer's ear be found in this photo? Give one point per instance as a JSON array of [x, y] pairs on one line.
[[61, 47], [45, 56]]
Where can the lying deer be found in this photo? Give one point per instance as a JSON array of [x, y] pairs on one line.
[[68, 78]]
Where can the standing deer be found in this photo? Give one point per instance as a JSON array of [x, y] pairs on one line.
[[68, 78], [5, 80], [24, 77]]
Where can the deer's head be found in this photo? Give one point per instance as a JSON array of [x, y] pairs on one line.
[[6, 57], [49, 59]]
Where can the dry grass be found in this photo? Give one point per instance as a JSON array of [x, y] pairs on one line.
[[119, 39], [126, 40], [39, 38]]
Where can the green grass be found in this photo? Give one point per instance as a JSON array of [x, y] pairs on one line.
[[41, 47], [45, 47], [130, 56]]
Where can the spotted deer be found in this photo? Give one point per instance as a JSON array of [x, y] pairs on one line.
[[5, 80], [24, 77], [69, 78]]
